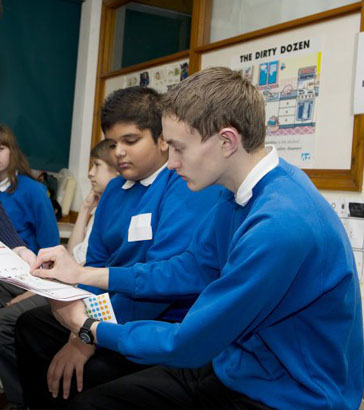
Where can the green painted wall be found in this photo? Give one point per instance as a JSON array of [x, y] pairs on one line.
[[38, 56]]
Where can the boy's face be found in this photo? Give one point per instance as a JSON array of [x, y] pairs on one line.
[[137, 154], [100, 175], [199, 163]]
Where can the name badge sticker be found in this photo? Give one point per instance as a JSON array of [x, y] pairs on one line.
[[140, 228]]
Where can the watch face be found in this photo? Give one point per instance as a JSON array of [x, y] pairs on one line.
[[85, 338], [85, 333]]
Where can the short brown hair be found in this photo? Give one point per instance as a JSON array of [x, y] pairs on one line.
[[18, 162], [102, 151], [215, 98]]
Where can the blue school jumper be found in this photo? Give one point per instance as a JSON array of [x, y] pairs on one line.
[[144, 224], [280, 317], [31, 212]]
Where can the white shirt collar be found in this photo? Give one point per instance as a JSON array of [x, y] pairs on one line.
[[146, 181], [4, 184], [265, 165]]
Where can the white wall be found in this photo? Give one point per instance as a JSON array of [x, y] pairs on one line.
[[84, 97]]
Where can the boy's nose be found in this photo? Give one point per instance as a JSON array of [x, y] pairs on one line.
[[119, 151], [173, 163], [91, 172]]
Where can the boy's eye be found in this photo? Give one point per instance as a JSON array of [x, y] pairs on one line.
[[131, 141]]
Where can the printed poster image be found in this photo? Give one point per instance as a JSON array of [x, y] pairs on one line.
[[164, 78], [288, 76]]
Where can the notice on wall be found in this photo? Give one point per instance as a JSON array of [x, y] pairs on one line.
[[160, 78], [288, 76]]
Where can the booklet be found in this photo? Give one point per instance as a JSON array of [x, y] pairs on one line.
[[17, 272]]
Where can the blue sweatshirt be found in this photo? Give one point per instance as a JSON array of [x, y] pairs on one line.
[[31, 212], [280, 315], [122, 235]]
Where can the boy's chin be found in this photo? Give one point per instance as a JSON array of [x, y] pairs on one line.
[[195, 187]]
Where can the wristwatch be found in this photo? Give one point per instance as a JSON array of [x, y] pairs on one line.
[[85, 333]]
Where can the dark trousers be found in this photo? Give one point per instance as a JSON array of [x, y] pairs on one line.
[[113, 382], [8, 317], [161, 388], [38, 337]]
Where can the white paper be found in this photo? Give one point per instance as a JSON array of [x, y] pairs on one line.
[[359, 77], [140, 228], [15, 271]]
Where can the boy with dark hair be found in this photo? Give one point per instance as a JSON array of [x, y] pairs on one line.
[[279, 322], [137, 106], [146, 214]]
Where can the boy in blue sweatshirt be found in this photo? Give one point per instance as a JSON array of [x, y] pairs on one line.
[[278, 322], [147, 214]]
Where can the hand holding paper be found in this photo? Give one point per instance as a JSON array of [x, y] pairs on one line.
[[62, 266], [26, 254], [65, 269], [15, 271]]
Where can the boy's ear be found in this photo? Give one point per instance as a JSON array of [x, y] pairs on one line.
[[230, 141], [163, 146]]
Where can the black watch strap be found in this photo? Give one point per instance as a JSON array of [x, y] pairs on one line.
[[85, 333]]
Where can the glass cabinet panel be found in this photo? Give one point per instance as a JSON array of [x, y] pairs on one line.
[[233, 17], [144, 32]]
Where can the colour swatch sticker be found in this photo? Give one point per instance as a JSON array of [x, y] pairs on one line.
[[99, 307]]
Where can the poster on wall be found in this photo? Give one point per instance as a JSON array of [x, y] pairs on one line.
[[166, 76], [288, 76], [160, 78], [131, 80]]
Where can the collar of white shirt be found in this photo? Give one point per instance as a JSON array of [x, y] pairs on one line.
[[146, 181], [265, 165], [4, 184]]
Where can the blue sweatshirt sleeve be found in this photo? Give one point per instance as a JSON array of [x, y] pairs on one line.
[[180, 276], [166, 276], [45, 223], [231, 306]]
